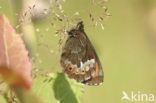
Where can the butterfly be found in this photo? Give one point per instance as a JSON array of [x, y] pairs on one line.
[[79, 59]]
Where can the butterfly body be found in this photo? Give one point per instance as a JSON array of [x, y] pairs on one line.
[[79, 59]]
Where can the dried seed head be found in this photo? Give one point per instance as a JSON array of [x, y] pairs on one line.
[[40, 61], [37, 30], [34, 6], [51, 51], [76, 13], [102, 26]]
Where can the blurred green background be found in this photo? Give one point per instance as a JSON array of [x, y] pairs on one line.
[[126, 47]]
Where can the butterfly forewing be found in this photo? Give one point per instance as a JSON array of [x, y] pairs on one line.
[[79, 59]]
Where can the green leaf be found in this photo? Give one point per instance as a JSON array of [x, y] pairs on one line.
[[26, 96], [57, 88]]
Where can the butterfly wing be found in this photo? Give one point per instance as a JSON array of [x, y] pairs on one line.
[[73, 58], [80, 61], [97, 77]]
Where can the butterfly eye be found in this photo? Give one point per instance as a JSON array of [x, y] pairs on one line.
[[82, 71], [70, 68]]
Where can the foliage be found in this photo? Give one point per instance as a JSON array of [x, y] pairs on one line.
[[57, 87]]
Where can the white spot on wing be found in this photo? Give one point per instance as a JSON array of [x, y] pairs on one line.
[[87, 68], [87, 78], [88, 62], [86, 65]]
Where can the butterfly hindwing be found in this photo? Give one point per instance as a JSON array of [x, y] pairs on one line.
[[79, 59]]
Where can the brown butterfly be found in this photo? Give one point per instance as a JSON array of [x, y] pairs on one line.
[[79, 59]]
